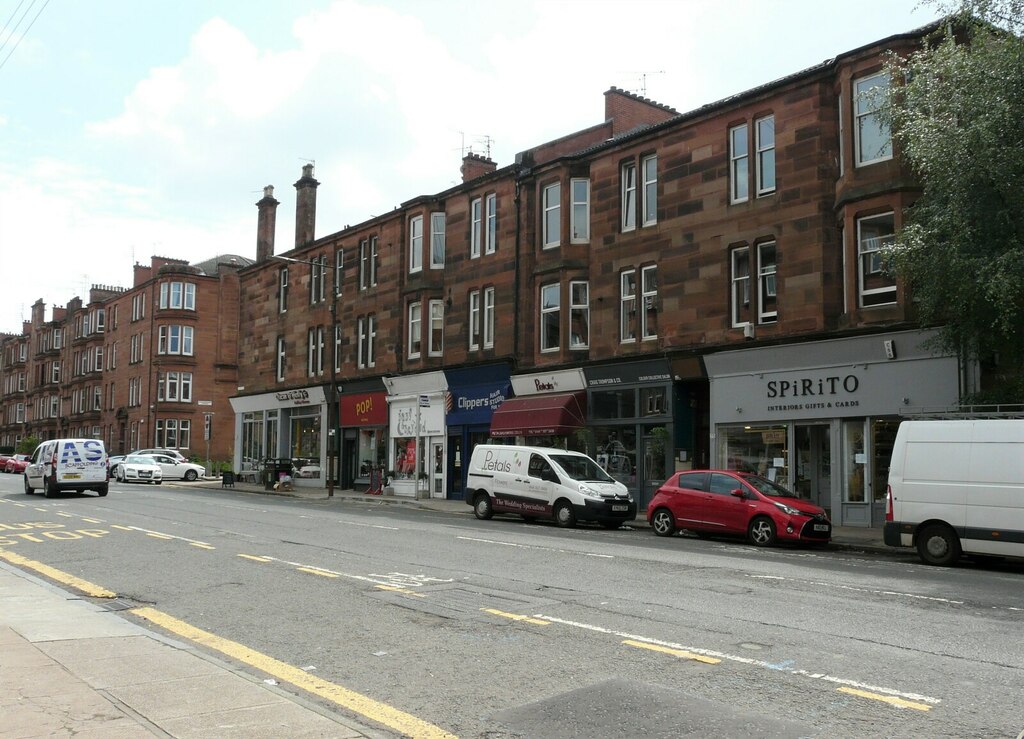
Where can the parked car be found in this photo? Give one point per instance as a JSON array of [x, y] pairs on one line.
[[112, 463], [166, 452], [736, 503], [16, 464], [174, 469], [138, 468], [3, 461]]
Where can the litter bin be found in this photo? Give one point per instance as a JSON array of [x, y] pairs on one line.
[[273, 469]]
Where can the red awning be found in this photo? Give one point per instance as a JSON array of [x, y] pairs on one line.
[[540, 415]]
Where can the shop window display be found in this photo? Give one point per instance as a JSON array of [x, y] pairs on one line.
[[757, 449]]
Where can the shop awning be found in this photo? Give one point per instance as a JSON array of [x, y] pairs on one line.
[[540, 415]]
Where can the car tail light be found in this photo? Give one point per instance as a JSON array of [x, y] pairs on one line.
[[888, 503]]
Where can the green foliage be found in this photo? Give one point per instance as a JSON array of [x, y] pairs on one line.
[[957, 115], [28, 444]]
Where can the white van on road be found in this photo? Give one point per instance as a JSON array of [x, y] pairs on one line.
[[541, 482], [957, 487], [67, 464]]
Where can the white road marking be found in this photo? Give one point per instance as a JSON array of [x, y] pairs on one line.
[[742, 660], [851, 588], [533, 546]]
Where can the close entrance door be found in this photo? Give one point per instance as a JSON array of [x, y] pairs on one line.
[[814, 464]]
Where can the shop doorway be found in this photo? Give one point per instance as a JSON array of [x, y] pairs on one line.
[[655, 451], [455, 481], [436, 463], [349, 460], [814, 464]]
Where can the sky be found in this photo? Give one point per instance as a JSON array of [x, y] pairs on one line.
[[135, 129]]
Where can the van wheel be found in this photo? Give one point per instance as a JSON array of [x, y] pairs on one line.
[[28, 490], [938, 545], [565, 516], [761, 532], [49, 489], [663, 522], [102, 491], [482, 506]]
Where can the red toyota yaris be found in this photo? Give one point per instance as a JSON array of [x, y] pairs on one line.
[[732, 502]]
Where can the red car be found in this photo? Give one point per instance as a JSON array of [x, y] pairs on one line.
[[17, 464], [732, 502]]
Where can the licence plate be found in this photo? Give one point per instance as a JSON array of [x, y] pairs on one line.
[[821, 527], [617, 508], [71, 476]]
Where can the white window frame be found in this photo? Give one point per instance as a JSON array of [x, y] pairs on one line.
[[488, 317], [579, 212], [546, 311], [336, 352], [435, 337], [739, 296], [627, 306], [491, 232], [767, 282], [367, 328], [869, 261], [475, 227], [579, 313], [318, 279], [552, 209], [415, 346], [628, 196], [739, 165], [474, 320], [437, 234], [282, 290], [339, 272], [364, 268], [280, 358], [862, 113], [415, 244], [315, 351], [765, 154], [649, 173], [649, 302]]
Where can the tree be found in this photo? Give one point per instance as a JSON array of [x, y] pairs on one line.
[[28, 444], [956, 109]]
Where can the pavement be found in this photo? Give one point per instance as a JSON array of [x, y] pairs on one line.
[[71, 666]]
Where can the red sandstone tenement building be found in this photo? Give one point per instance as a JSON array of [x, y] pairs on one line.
[[663, 290], [138, 367]]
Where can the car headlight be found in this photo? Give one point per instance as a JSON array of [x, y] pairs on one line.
[[788, 509], [589, 492]]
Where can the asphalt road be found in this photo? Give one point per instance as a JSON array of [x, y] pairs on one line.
[[506, 629]]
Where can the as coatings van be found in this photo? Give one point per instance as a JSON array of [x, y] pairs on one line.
[[67, 464], [538, 482], [957, 487]]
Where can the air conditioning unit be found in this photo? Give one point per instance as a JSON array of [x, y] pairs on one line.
[[748, 330]]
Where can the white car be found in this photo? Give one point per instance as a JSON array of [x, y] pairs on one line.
[[175, 470], [166, 452], [138, 468]]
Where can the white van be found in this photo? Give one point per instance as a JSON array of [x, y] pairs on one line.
[[67, 464], [957, 487], [543, 482]]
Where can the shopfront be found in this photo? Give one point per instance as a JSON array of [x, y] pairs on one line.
[[363, 408], [629, 427], [291, 424], [417, 434], [821, 417], [549, 409], [474, 393]]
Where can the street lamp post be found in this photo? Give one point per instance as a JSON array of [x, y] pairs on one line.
[[332, 390]]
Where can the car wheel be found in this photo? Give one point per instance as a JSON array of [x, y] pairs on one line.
[[565, 516], [761, 532], [191, 475], [663, 522], [28, 490], [482, 506], [938, 545]]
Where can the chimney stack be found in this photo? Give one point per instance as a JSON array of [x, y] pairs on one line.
[[266, 225], [305, 207], [474, 165]]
